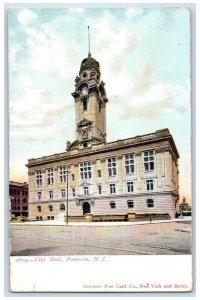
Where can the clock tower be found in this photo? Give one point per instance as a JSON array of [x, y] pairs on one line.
[[90, 105]]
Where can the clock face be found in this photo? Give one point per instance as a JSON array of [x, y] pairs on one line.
[[84, 90]]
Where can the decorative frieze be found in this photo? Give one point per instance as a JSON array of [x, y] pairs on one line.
[[138, 153]]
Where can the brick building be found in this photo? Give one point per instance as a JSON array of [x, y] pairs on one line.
[[18, 193]]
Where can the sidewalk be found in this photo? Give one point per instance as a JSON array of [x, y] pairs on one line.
[[97, 224]]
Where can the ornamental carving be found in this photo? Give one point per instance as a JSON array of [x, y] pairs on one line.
[[139, 153], [159, 150], [166, 148]]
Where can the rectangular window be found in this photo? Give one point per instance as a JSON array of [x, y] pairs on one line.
[[50, 176], [99, 189], [39, 195], [62, 206], [73, 177], [99, 173], [129, 164], [149, 160], [85, 104], [112, 166], [149, 185], [86, 190], [85, 170], [73, 192], [51, 207], [112, 204], [112, 188], [39, 208], [38, 175], [63, 174], [130, 204], [150, 203], [50, 194], [130, 187], [63, 193]]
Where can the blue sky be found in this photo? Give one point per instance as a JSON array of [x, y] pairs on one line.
[[145, 62]]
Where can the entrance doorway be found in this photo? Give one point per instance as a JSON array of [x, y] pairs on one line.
[[86, 208]]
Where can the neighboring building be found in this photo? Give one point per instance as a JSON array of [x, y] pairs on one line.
[[18, 195], [124, 179]]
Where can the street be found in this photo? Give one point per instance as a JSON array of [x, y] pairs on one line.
[[172, 238]]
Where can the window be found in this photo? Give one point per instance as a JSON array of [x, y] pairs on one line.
[[62, 206], [50, 176], [51, 207], [63, 193], [39, 208], [24, 208], [150, 203], [50, 194], [86, 190], [112, 188], [73, 177], [99, 189], [63, 173], [130, 187], [99, 173], [24, 200], [112, 204], [39, 195], [149, 185], [149, 160], [85, 104], [85, 170], [73, 192], [129, 164], [38, 177], [130, 203], [112, 166]]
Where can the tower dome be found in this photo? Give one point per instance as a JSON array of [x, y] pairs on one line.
[[89, 63]]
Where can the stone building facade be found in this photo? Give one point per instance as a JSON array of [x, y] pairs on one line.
[[94, 180]]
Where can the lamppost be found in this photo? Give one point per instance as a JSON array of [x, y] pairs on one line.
[[67, 208]]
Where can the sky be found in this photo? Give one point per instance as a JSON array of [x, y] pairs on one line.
[[144, 56]]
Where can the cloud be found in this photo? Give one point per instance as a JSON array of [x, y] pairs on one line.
[[157, 100], [143, 82], [78, 10], [119, 43], [26, 16], [36, 112], [132, 12], [49, 53]]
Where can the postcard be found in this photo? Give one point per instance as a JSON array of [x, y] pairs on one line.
[[100, 190]]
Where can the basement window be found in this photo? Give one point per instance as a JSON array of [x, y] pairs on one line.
[[112, 204]]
